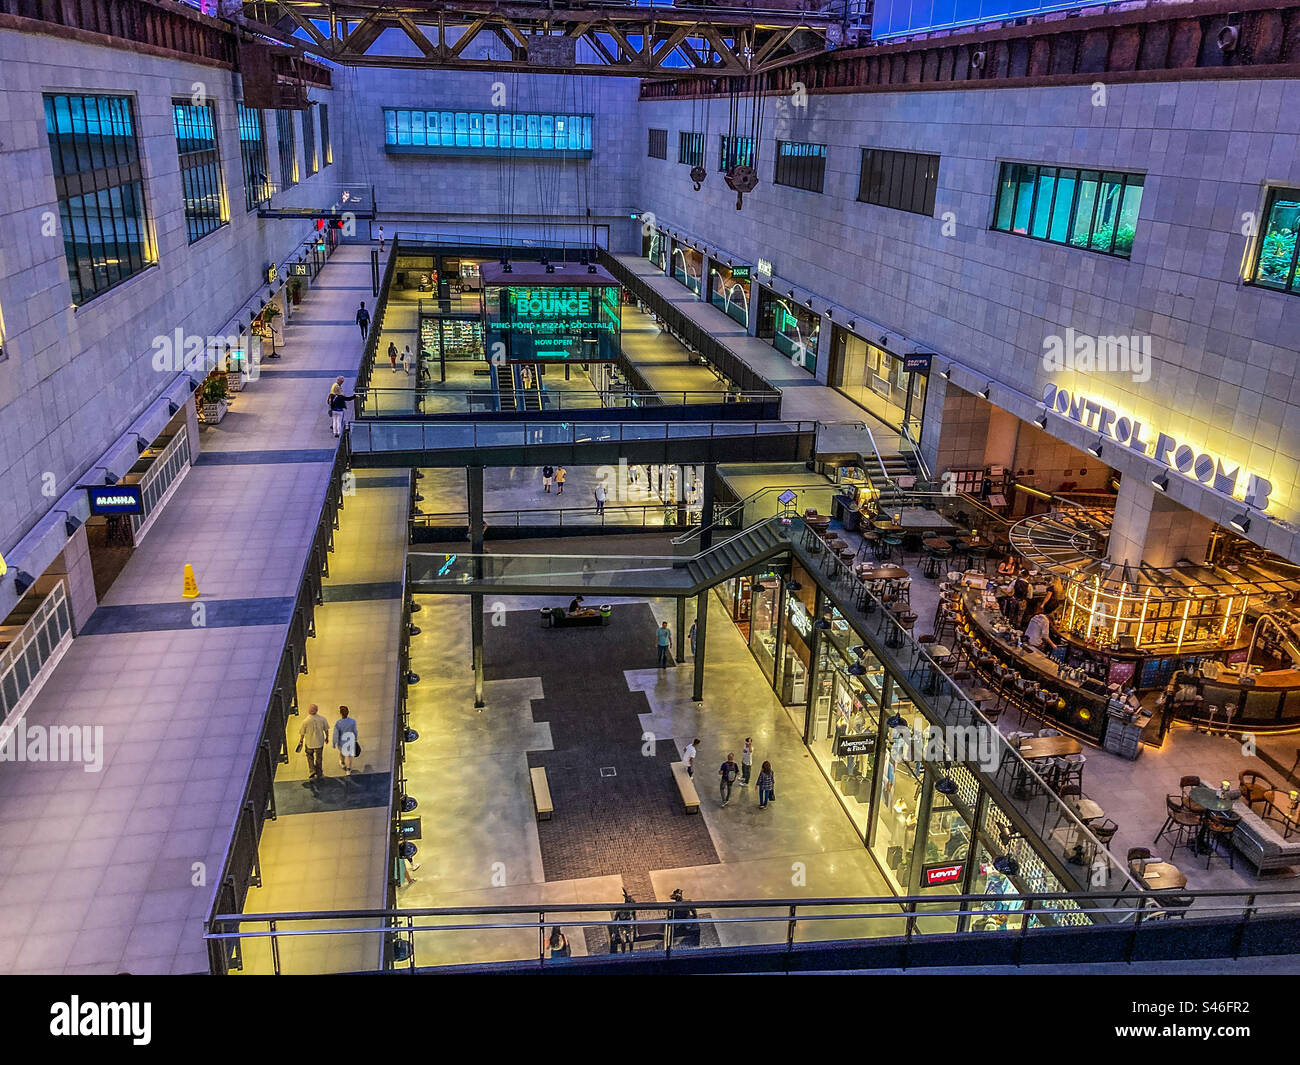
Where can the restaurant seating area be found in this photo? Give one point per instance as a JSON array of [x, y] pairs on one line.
[[1190, 836]]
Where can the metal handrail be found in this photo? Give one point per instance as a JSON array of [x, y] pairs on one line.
[[628, 432], [721, 520], [498, 517], [560, 399]]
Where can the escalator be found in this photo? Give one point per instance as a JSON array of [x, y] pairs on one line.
[[530, 388], [503, 386]]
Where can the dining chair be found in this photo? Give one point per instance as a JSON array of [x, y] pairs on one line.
[[1181, 822]]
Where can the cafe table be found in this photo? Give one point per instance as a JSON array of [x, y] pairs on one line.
[[1209, 801], [1162, 876], [1037, 748]]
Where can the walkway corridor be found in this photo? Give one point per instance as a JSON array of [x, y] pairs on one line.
[[114, 871]]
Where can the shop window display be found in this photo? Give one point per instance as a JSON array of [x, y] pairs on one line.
[[763, 624]]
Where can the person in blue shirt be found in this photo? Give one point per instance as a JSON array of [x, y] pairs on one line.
[[345, 739], [665, 640]]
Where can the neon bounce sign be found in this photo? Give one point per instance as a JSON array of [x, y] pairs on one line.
[[1199, 466]]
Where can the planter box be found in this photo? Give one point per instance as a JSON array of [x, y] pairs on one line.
[[213, 412], [234, 381]]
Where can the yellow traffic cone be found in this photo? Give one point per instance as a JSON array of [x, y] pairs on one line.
[[191, 585]]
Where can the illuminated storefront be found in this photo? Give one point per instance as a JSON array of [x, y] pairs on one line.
[[792, 328], [729, 290], [878, 381], [688, 266], [564, 313]]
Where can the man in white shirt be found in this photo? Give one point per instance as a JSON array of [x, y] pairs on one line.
[[1038, 633], [688, 756]]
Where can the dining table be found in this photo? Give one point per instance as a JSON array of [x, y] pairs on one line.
[[1161, 876], [1206, 801]]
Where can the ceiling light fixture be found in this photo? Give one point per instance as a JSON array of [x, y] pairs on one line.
[[1095, 449], [1241, 522], [1161, 483], [984, 392]]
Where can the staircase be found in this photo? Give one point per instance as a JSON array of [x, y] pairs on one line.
[[896, 466], [556, 574], [530, 398], [735, 554]]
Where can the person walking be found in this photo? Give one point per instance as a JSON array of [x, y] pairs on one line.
[[363, 320], [392, 356], [381, 238], [688, 756], [664, 639], [727, 774], [338, 405], [313, 735], [560, 474], [746, 761], [407, 360], [559, 944], [600, 499], [548, 474], [345, 739], [766, 786], [694, 636]]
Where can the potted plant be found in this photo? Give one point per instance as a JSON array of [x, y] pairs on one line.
[[214, 394], [295, 290]]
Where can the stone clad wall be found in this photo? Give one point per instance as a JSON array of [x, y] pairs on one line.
[[1224, 355], [75, 378]]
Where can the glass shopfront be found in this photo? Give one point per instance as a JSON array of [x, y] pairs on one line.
[[845, 716], [729, 290], [688, 266], [655, 248], [764, 617], [792, 328], [876, 381], [796, 640]]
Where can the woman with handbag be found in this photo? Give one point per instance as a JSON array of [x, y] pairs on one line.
[[345, 739]]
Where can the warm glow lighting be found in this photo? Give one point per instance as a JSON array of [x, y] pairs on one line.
[[1146, 600], [1187, 607], [1092, 611], [1227, 616], [1119, 611], [1242, 619]]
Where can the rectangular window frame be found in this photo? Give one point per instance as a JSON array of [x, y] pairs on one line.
[[200, 167], [734, 151], [1088, 216], [99, 187], [1290, 285], [690, 148], [424, 131], [657, 144], [800, 165], [909, 181], [286, 144], [252, 156]]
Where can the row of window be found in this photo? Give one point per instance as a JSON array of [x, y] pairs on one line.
[[484, 132], [1093, 209], [99, 184]]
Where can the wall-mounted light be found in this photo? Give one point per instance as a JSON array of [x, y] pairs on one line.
[[172, 409], [830, 313], [22, 581], [1241, 522], [790, 293], [1161, 483], [141, 444], [946, 372], [884, 341], [808, 303], [1095, 449], [853, 323], [984, 392], [1041, 420]]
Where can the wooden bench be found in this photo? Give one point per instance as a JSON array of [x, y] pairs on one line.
[[686, 788], [541, 794]]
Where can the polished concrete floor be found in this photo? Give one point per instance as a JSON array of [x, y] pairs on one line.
[[471, 767]]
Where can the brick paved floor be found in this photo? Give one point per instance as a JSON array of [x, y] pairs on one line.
[[628, 822]]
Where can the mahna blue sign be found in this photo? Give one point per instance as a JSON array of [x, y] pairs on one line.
[[917, 363], [115, 499]]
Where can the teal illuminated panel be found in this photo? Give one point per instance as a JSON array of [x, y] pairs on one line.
[[486, 133], [552, 323]]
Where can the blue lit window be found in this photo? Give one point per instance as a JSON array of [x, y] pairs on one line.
[[485, 133]]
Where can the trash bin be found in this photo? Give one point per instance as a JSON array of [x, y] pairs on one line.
[[547, 620]]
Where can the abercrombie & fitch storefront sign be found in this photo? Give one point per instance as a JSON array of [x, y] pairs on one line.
[[1191, 462]]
